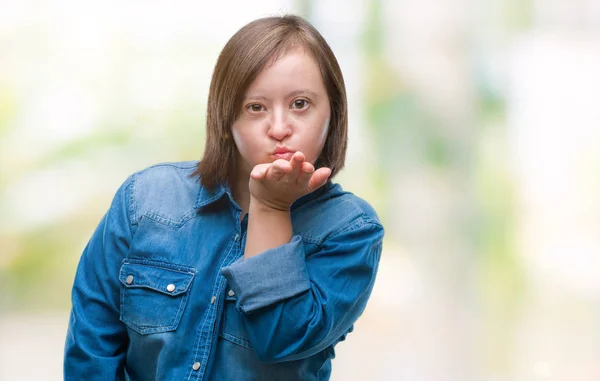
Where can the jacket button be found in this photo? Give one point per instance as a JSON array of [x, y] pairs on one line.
[[231, 293], [196, 366], [171, 287], [129, 279]]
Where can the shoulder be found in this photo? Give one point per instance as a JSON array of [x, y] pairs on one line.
[[165, 176], [352, 204], [164, 191], [336, 211]]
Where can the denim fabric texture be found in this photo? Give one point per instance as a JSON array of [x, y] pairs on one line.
[[162, 291]]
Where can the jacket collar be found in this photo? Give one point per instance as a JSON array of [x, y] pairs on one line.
[[210, 196]]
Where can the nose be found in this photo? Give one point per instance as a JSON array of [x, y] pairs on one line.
[[279, 127]]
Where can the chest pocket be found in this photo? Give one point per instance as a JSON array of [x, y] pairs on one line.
[[232, 328], [154, 295]]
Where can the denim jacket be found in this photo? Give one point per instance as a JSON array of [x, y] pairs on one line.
[[162, 291]]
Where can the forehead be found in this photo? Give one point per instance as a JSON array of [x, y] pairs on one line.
[[295, 66]]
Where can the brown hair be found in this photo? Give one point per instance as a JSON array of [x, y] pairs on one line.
[[240, 61]]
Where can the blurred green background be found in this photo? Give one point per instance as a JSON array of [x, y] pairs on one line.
[[474, 131]]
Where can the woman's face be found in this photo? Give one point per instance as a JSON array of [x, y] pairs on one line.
[[286, 109]]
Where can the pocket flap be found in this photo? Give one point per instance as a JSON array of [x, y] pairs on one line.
[[165, 278]]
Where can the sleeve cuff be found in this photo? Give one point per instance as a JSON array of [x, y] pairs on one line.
[[272, 276]]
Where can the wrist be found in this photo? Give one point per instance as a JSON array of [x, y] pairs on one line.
[[259, 206], [268, 228]]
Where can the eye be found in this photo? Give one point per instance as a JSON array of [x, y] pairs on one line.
[[300, 104], [255, 107]]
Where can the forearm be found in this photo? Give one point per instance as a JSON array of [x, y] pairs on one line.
[[267, 228], [295, 302]]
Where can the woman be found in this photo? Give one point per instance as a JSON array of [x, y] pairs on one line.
[[250, 264]]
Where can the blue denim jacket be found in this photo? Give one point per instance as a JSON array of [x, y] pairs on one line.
[[162, 291]]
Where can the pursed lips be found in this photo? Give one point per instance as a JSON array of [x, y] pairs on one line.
[[283, 153]]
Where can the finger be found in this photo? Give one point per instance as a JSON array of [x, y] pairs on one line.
[[259, 171], [296, 161], [307, 167], [318, 178], [278, 169], [306, 173]]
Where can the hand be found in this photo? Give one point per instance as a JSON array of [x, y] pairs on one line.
[[278, 184]]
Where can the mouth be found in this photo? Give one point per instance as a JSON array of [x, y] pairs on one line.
[[283, 153]]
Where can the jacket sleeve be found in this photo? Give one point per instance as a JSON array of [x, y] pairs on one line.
[[294, 305], [96, 339]]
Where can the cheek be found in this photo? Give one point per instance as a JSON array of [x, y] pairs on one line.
[[324, 131], [319, 137], [236, 138], [241, 140]]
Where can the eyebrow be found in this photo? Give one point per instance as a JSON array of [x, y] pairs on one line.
[[291, 94]]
